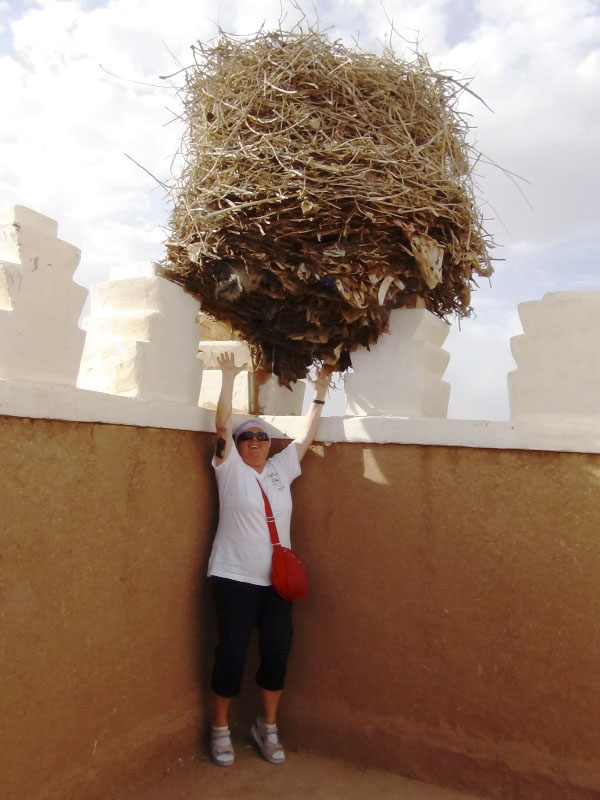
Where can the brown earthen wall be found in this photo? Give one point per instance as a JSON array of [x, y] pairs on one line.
[[453, 628], [103, 540], [451, 632]]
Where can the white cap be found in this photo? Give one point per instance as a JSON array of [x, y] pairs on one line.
[[251, 423]]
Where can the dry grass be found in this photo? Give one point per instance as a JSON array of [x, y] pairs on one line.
[[322, 187]]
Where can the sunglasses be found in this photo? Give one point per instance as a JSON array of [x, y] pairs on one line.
[[247, 436]]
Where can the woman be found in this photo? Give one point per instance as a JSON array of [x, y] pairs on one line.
[[240, 561]]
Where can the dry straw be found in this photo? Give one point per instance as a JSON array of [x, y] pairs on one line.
[[321, 187]]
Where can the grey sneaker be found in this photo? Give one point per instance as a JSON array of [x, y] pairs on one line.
[[221, 749], [267, 740]]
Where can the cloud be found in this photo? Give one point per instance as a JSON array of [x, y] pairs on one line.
[[537, 65], [72, 125]]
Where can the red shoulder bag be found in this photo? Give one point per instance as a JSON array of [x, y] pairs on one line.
[[288, 574]]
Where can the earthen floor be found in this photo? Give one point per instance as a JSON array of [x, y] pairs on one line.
[[302, 776]]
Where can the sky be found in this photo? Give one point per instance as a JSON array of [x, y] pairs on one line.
[[80, 91]]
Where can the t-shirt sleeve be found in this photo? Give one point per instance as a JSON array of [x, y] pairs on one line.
[[287, 462], [227, 464]]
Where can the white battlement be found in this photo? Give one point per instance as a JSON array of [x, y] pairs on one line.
[[39, 302], [139, 361], [414, 364], [558, 358], [142, 339]]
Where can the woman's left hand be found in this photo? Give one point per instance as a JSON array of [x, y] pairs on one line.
[[321, 381]]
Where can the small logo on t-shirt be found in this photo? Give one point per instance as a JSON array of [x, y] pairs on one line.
[[275, 480]]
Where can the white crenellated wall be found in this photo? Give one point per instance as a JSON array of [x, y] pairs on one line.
[[140, 360], [142, 338], [410, 385], [558, 358], [39, 302]]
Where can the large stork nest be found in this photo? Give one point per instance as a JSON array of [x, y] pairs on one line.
[[321, 187]]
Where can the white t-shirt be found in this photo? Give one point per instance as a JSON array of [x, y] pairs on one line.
[[242, 547]]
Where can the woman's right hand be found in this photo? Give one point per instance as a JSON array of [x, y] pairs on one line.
[[226, 363]]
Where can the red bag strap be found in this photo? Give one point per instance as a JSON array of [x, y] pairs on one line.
[[270, 518]]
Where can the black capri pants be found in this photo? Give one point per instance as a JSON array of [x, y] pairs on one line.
[[240, 606]]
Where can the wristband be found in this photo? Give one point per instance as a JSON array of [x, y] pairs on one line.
[[319, 402]]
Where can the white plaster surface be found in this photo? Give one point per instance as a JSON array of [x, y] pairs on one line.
[[401, 374], [41, 401], [211, 388], [142, 338], [272, 398], [210, 350], [39, 302], [558, 358], [34, 400], [278, 400]]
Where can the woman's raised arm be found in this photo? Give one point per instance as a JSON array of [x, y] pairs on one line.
[[320, 384], [223, 423]]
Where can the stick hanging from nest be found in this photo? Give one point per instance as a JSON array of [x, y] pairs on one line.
[[321, 188]]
